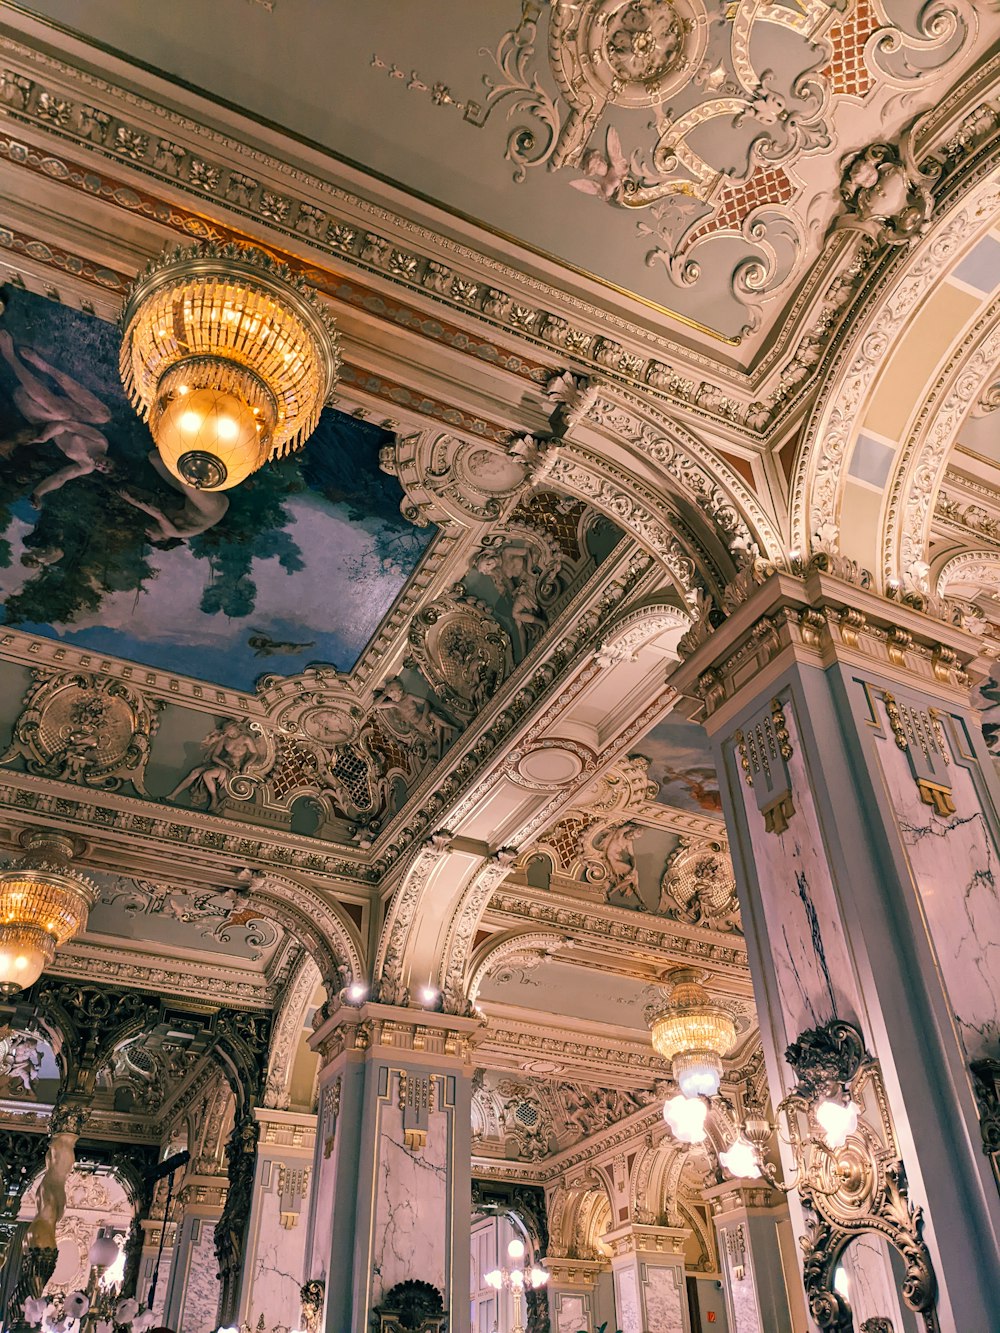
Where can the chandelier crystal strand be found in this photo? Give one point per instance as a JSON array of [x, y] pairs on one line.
[[230, 357], [44, 902]]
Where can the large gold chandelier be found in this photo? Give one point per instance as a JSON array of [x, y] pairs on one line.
[[44, 901], [690, 1030], [231, 358]]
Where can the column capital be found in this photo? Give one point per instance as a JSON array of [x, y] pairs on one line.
[[389, 1029], [818, 619], [582, 1273], [637, 1238], [743, 1196]]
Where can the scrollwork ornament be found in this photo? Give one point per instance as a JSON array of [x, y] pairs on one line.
[[462, 650], [85, 728]]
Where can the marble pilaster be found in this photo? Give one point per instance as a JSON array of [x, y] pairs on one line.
[[650, 1282], [861, 804], [275, 1249], [761, 1297], [571, 1293], [391, 1180], [193, 1291]]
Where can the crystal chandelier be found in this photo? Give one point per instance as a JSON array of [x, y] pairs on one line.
[[230, 357], [690, 1030], [44, 902]]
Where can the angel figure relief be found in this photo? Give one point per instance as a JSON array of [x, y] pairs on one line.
[[229, 752], [604, 174], [411, 719], [618, 847]]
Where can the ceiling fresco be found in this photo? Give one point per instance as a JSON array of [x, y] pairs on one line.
[[681, 765], [687, 154], [99, 548]]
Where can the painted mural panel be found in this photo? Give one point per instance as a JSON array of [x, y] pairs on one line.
[[101, 548], [680, 762]]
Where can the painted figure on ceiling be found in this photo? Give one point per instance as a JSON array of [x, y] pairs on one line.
[[69, 419], [201, 509]]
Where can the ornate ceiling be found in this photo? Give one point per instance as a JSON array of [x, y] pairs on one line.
[[291, 770]]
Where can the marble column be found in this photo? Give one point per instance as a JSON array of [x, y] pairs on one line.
[[391, 1186], [193, 1290], [763, 1292], [861, 805], [150, 1255], [650, 1282], [571, 1293], [275, 1248]]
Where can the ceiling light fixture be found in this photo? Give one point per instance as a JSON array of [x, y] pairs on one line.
[[692, 1031], [43, 903], [231, 358]]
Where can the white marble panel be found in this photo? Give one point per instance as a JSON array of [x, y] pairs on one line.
[[815, 976], [663, 1299], [746, 1315], [627, 1300], [322, 1191], [954, 864], [411, 1203], [571, 1315], [201, 1289], [871, 1288], [276, 1263]]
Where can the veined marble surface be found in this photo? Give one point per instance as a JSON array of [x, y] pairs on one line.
[[742, 1291], [627, 1300], [322, 1228], [954, 864], [276, 1261], [571, 1315], [663, 1299], [201, 1290], [813, 968], [411, 1201], [871, 1288]]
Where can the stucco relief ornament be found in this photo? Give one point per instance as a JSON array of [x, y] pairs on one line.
[[887, 195], [461, 650], [237, 756], [698, 886], [84, 728]]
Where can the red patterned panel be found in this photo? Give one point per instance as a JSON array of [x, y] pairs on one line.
[[848, 74], [764, 185]]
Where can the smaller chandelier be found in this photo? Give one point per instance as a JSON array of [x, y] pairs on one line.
[[690, 1030], [43, 903], [230, 356]]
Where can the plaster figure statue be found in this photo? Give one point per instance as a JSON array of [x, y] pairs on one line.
[[618, 845], [410, 717], [23, 1060], [51, 1196], [68, 416], [228, 751], [201, 509]]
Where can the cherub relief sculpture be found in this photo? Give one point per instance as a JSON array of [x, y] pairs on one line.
[[887, 194], [20, 1058], [618, 846], [230, 751], [412, 719]]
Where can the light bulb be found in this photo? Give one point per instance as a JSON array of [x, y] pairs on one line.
[[516, 1249], [698, 1080], [741, 1160], [517, 1279], [428, 995], [539, 1277], [190, 421], [494, 1279], [686, 1118], [357, 991], [837, 1121]]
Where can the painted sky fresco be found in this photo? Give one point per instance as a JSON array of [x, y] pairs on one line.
[[97, 548], [681, 763]]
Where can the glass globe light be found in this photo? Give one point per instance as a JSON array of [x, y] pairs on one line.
[[741, 1160], [685, 1117], [494, 1279], [690, 1030], [838, 1121], [516, 1279], [539, 1277], [516, 1249], [103, 1252], [209, 439]]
